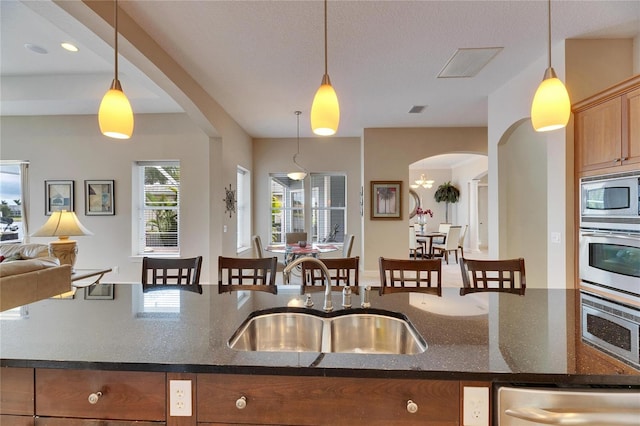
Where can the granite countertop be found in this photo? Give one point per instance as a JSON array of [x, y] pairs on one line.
[[473, 337]]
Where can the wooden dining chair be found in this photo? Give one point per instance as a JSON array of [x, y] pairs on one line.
[[258, 251], [171, 273], [241, 273], [419, 276], [493, 276], [450, 244], [344, 273]]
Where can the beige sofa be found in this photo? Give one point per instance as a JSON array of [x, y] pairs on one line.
[[32, 276]]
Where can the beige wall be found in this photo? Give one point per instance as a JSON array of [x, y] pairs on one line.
[[387, 154], [72, 148]]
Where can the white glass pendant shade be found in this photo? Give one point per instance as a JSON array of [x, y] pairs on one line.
[[551, 106], [296, 175], [115, 114], [325, 110]]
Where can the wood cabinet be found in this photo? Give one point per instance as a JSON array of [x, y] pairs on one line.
[[607, 130], [295, 400], [16, 396], [124, 395]]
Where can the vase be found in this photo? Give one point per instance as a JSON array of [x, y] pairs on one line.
[[422, 222]]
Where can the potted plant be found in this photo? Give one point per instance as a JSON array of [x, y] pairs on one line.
[[448, 193]]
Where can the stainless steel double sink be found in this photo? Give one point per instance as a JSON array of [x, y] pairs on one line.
[[366, 331]]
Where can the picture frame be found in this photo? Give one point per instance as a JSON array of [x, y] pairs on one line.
[[58, 195], [386, 200], [99, 198], [99, 291]]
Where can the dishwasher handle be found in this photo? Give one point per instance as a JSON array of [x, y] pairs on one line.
[[540, 415]]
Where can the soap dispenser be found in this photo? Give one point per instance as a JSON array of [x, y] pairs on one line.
[[346, 297]]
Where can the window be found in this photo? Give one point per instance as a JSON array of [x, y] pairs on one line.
[[243, 209], [328, 207], [287, 207], [328, 210], [158, 215], [13, 200]]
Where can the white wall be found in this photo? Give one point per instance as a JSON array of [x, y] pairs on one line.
[[71, 148], [466, 209]]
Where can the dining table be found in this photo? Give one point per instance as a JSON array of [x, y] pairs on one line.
[[426, 239], [293, 251]]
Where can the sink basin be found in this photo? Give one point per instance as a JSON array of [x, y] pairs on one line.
[[279, 332], [375, 334], [365, 331]]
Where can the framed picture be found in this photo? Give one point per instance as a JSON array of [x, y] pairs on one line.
[[99, 292], [386, 200], [58, 195], [99, 198]]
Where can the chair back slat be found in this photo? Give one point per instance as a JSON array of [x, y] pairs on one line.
[[343, 271], [506, 276], [257, 274], [166, 273], [400, 275], [348, 245]]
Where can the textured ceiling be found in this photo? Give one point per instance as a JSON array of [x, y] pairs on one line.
[[262, 60]]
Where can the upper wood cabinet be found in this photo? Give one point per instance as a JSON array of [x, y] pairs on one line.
[[607, 129]]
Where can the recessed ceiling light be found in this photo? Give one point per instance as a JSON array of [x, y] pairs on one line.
[[35, 48], [468, 62], [68, 46]]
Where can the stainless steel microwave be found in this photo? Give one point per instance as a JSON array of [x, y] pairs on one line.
[[611, 201]]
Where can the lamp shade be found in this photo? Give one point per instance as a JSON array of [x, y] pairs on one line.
[[115, 114], [325, 110], [551, 106], [62, 224], [296, 175]]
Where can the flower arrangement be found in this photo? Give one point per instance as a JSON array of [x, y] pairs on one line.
[[422, 220], [421, 213]]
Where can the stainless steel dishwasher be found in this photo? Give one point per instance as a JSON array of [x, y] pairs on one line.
[[559, 406]]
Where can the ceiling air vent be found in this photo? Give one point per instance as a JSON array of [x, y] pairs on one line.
[[468, 62], [417, 109]]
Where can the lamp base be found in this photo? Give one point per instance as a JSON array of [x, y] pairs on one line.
[[65, 251]]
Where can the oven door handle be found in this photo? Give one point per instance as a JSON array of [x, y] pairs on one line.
[[540, 415], [610, 234]]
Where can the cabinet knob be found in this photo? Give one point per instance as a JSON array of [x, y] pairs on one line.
[[241, 403], [94, 397], [412, 407]]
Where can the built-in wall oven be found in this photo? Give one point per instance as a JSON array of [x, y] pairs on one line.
[[610, 262]]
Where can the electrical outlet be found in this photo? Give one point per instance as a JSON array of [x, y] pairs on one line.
[[180, 398], [115, 269], [475, 406]]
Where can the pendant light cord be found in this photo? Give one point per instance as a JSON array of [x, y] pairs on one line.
[[115, 26], [298, 132], [549, 28], [325, 38]]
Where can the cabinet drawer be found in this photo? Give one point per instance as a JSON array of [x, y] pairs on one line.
[[16, 391], [125, 395], [325, 400], [6, 420]]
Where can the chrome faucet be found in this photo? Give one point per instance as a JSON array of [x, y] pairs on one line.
[[328, 304]]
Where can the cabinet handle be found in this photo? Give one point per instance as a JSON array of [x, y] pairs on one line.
[[412, 407], [241, 403], [94, 397]]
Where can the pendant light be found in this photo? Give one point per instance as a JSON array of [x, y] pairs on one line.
[[325, 110], [551, 106], [115, 115], [302, 173]]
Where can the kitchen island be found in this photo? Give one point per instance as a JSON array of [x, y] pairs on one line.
[[484, 338]]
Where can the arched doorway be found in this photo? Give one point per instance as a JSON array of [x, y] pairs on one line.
[[467, 171]]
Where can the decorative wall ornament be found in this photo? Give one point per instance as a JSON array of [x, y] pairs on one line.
[[230, 201]]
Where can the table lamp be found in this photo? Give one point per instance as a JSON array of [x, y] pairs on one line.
[[63, 224]]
